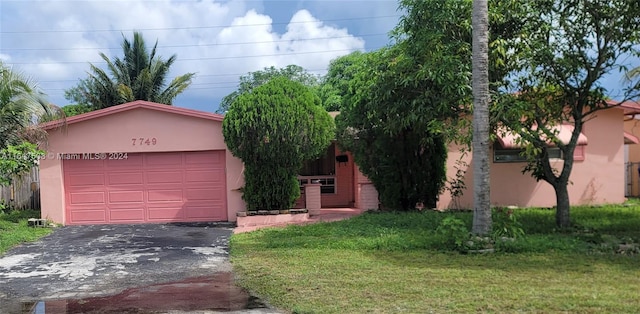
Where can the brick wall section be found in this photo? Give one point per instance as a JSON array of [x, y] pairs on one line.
[[312, 194]]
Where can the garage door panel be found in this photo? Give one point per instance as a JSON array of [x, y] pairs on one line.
[[132, 214], [166, 213], [154, 177], [147, 187], [126, 197], [174, 195], [164, 159], [123, 178], [85, 179], [203, 159], [95, 215], [82, 198], [205, 194], [203, 211], [79, 165], [208, 175]]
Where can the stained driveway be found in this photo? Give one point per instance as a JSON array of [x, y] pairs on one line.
[[91, 262]]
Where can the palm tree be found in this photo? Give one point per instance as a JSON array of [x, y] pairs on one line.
[[633, 73], [139, 75], [633, 77], [480, 145], [21, 105]]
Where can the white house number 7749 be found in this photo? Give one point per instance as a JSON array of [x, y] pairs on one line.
[[144, 141]]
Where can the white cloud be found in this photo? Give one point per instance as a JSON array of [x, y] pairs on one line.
[[54, 41]]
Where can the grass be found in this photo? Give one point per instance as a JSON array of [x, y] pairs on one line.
[[397, 263], [14, 229]]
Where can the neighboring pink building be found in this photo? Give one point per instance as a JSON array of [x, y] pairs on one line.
[[597, 177]]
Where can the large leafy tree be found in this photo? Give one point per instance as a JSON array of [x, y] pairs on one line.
[[480, 86], [21, 104], [335, 84], [65, 112], [254, 79], [139, 75], [75, 109], [571, 46], [420, 86], [406, 163], [273, 128]]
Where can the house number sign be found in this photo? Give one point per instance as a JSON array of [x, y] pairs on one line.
[[142, 141]]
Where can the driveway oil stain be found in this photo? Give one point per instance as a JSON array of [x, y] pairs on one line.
[[207, 293]]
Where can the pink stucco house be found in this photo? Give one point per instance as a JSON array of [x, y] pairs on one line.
[[143, 162], [139, 162], [598, 175]]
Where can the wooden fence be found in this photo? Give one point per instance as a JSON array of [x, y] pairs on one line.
[[24, 193]]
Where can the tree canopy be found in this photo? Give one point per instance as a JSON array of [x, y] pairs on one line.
[[335, 84], [21, 105], [273, 128], [254, 79], [570, 46], [140, 75], [16, 160], [405, 162], [414, 94]]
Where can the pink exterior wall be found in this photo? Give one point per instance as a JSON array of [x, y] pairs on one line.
[[114, 133], [366, 195], [312, 196], [344, 178], [344, 185], [598, 179], [632, 126]]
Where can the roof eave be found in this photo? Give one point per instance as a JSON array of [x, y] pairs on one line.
[[130, 106]]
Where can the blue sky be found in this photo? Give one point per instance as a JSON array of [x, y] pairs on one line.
[[53, 41]]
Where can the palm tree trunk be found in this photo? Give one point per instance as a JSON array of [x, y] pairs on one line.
[[480, 145]]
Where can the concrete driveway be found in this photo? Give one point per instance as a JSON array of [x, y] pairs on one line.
[[123, 268]]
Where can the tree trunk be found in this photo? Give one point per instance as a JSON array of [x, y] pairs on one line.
[[563, 218], [480, 146]]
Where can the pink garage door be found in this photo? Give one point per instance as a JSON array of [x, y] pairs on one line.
[[146, 187]]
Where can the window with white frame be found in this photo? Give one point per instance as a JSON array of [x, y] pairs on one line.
[[516, 154], [321, 170]]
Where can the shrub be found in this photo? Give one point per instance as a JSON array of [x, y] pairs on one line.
[[505, 224], [454, 232], [16, 160], [273, 128]]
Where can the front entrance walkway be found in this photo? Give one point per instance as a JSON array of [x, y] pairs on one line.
[[251, 223]]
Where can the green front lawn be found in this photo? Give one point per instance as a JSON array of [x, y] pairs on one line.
[[396, 262], [14, 229]]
